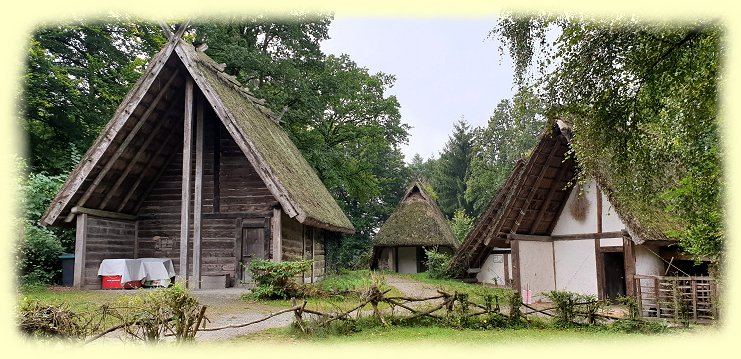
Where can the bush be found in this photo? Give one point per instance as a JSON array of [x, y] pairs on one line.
[[37, 256], [275, 280], [437, 263], [570, 305], [150, 315]]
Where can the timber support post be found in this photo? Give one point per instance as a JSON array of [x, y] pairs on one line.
[[198, 200], [185, 197], [80, 243]]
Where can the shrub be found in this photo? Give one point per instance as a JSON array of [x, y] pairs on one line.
[[275, 280], [150, 315], [437, 263], [570, 305], [37, 256]]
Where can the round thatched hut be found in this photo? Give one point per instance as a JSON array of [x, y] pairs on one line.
[[416, 225]]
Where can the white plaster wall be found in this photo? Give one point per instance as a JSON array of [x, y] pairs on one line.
[[493, 268], [407, 260], [647, 263], [567, 224], [576, 266], [611, 222], [611, 242], [536, 267]]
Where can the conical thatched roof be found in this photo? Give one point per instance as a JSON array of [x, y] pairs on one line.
[[417, 221]]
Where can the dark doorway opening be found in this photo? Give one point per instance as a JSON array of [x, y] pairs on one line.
[[614, 284]]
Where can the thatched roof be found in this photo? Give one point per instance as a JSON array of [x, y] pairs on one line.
[[417, 221], [533, 197], [97, 183]]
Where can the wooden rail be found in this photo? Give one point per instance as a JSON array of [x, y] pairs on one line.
[[679, 298]]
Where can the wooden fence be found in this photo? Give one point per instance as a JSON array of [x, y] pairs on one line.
[[679, 298]]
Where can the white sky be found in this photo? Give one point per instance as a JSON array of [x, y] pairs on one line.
[[445, 68]]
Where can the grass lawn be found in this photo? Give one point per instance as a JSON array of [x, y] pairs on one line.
[[475, 291], [438, 335], [347, 281]]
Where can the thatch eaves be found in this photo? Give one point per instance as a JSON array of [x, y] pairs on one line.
[[417, 221]]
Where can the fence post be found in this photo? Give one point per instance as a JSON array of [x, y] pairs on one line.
[[693, 286], [657, 295]]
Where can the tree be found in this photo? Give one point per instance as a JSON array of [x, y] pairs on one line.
[[421, 168], [76, 75], [642, 101], [510, 135], [336, 113], [452, 172]]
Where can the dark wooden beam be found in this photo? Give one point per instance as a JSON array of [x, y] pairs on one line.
[[630, 266], [141, 177], [516, 285], [139, 153], [101, 213], [600, 264], [198, 200], [125, 144], [534, 189], [154, 179], [217, 165], [596, 235], [548, 198], [528, 237], [508, 202], [564, 237], [245, 215], [185, 196], [238, 249]]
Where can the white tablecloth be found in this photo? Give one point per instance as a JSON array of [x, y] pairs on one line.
[[129, 269], [158, 268], [138, 269]]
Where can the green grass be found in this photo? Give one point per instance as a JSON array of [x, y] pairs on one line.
[[474, 291], [439, 335], [346, 281]]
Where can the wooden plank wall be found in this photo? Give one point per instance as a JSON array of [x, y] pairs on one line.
[[240, 190], [106, 238], [304, 242]]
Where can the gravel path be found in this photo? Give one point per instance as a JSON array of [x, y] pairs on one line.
[[410, 287], [226, 308]]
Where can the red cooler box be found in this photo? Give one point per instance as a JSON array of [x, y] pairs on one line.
[[114, 282], [114, 271]]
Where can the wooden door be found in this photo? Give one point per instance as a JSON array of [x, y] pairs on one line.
[[253, 246]]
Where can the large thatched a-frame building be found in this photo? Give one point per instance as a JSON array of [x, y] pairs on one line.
[[541, 233], [416, 224], [193, 168]]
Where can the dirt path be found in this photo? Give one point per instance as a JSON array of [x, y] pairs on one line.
[[226, 308], [410, 287]]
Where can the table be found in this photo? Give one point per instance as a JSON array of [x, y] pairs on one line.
[[158, 271], [155, 270]]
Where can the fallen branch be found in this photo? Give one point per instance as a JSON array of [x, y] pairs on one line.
[[117, 327], [538, 311], [253, 322]]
